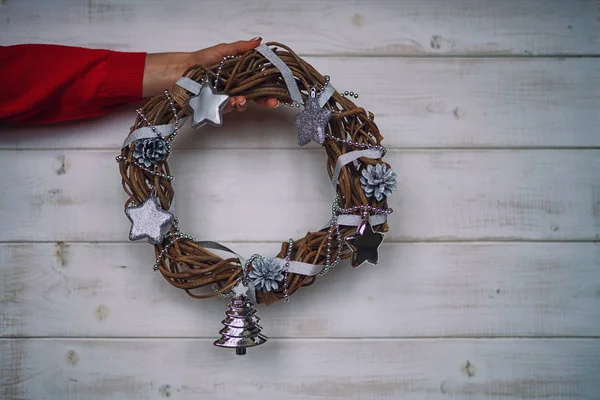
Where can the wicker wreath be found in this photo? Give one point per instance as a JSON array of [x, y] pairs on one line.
[[189, 264]]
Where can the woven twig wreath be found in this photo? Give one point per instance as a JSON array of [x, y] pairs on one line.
[[182, 260]]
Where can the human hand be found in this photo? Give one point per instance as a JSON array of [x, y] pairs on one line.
[[163, 69], [215, 54]]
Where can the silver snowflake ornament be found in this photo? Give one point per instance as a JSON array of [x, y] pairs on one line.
[[207, 106], [149, 221], [311, 122], [378, 181], [365, 245], [266, 274]]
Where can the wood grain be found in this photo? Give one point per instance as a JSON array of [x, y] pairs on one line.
[[433, 103], [355, 369], [417, 290], [366, 28], [488, 284], [261, 195]]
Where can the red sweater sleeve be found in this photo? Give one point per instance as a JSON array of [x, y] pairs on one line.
[[50, 83]]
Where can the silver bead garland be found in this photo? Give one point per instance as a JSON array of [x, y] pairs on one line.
[[142, 116], [357, 144], [175, 116], [177, 236], [350, 94], [159, 174], [375, 210], [333, 226], [220, 67], [286, 296]]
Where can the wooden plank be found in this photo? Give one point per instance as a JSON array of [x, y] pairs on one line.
[[347, 369], [373, 28], [261, 195], [431, 289], [468, 103]]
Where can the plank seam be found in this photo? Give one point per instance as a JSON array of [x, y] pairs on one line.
[[558, 56], [308, 338], [449, 241], [390, 149]]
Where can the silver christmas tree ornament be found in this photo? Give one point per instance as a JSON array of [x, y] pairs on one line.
[[241, 327]]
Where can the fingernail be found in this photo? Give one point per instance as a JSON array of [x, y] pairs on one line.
[[232, 102], [243, 103], [256, 39]]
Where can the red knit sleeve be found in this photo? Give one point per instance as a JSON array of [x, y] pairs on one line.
[[50, 83]]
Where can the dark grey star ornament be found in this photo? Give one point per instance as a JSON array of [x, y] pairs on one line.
[[365, 245], [207, 106], [149, 221], [311, 122]]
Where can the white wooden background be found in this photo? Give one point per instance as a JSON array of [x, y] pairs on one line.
[[489, 285]]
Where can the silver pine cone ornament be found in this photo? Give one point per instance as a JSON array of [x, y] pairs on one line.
[[150, 151], [378, 181], [266, 274], [241, 327]]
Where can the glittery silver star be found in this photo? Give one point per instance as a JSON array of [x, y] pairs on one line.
[[240, 289], [207, 106], [149, 221], [311, 121], [365, 245]]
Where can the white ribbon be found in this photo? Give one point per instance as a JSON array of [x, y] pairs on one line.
[[165, 130], [189, 84], [218, 246], [295, 267], [286, 72], [301, 268], [326, 94], [349, 157], [355, 220], [147, 132]]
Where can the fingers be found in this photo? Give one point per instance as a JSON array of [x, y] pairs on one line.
[[231, 104], [240, 103], [236, 48], [269, 102], [273, 103], [215, 54]]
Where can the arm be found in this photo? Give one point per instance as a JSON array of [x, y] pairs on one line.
[[49, 83]]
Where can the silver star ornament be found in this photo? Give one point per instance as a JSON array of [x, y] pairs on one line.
[[240, 289], [365, 245], [207, 106], [149, 220], [311, 122]]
